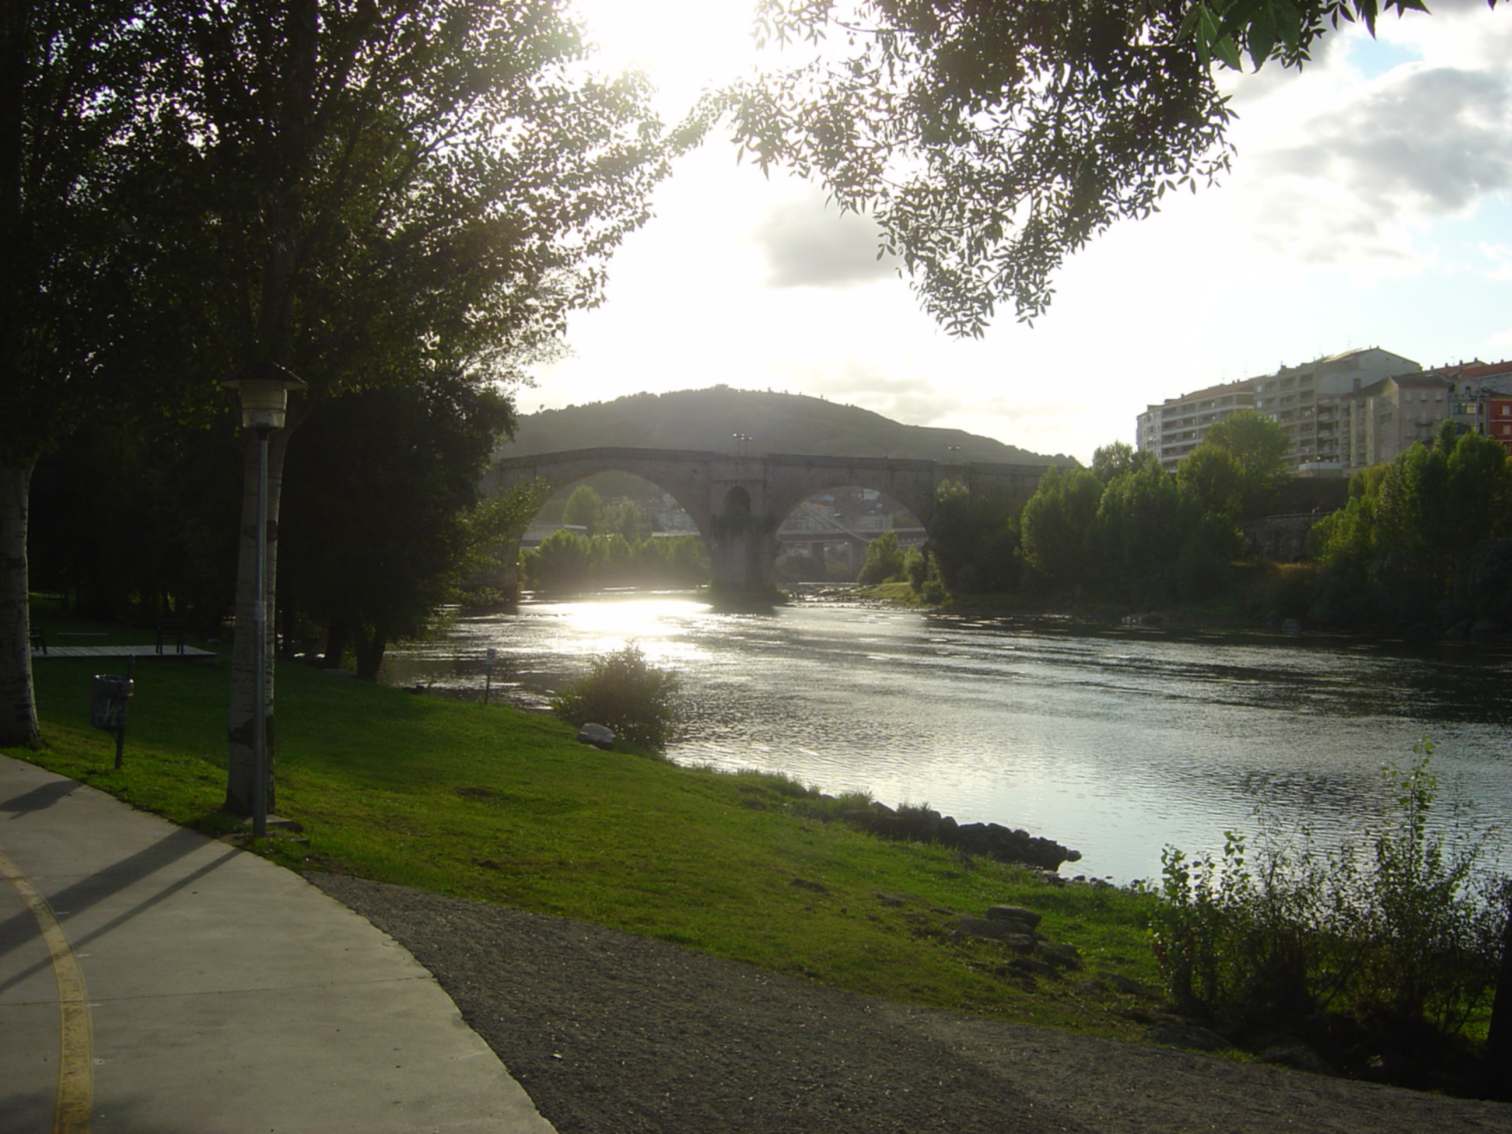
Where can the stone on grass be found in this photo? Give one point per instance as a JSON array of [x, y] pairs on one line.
[[1061, 955], [597, 735], [1011, 933], [1014, 913]]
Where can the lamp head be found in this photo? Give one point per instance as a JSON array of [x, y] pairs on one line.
[[263, 390]]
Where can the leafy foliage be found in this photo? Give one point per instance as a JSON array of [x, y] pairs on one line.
[[884, 560], [1404, 947], [988, 140], [626, 693], [1416, 544], [1226, 31], [491, 531], [584, 509], [374, 513], [1057, 524], [973, 540], [1108, 461], [1214, 479], [1258, 445], [566, 562]]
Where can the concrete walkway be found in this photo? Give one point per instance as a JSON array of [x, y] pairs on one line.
[[140, 650], [155, 980]]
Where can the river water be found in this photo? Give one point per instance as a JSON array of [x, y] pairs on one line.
[[1113, 743]]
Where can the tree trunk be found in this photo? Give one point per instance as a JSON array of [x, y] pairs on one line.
[[289, 615], [369, 648], [18, 702], [337, 636], [241, 777], [1499, 1038]]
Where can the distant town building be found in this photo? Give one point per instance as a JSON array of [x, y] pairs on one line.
[[1389, 416], [1343, 412], [1176, 426], [1311, 402]]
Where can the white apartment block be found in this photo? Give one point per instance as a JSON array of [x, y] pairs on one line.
[[1174, 428], [1310, 401]]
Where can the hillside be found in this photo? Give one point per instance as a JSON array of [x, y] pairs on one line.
[[775, 423]]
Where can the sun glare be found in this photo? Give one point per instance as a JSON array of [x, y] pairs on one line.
[[683, 45]]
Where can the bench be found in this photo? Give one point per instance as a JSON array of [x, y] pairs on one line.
[[170, 629]]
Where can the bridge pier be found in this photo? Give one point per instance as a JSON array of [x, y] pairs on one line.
[[743, 561], [742, 545]]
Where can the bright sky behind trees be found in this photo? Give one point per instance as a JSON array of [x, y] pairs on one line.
[[1370, 205]]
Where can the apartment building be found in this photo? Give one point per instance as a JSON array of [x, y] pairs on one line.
[[1499, 412], [1311, 402], [1176, 426], [1388, 416]]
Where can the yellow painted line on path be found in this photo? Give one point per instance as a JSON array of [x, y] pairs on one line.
[[75, 1097]]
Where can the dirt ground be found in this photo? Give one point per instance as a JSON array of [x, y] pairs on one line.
[[614, 1034]]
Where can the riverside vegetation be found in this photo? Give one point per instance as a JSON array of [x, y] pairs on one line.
[[503, 806], [1422, 547]]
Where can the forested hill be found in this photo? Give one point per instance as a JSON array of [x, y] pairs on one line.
[[775, 423]]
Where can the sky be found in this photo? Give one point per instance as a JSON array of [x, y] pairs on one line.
[[1370, 204]]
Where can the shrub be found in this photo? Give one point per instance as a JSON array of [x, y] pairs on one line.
[[884, 560], [1398, 941], [628, 694], [915, 568]]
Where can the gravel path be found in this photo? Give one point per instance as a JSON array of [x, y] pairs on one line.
[[615, 1034]]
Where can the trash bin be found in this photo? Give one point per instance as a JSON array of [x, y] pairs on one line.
[[107, 702]]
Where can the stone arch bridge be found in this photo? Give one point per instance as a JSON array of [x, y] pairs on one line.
[[738, 502]]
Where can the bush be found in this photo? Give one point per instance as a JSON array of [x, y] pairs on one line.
[[628, 694], [884, 560], [1399, 953]]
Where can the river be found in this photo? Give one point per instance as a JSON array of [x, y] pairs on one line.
[[1113, 743]]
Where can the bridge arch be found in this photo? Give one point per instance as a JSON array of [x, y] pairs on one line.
[[825, 537], [737, 501], [684, 481]]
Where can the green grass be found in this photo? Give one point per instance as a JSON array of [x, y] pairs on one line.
[[897, 591], [503, 806]]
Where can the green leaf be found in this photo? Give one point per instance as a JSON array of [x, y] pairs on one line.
[[1228, 52], [1262, 36]]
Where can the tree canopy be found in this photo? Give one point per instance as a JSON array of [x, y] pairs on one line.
[[1424, 540], [991, 140], [369, 193]]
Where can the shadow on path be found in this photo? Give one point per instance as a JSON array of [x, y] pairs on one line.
[[106, 883]]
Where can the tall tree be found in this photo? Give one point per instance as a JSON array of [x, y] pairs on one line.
[[378, 489], [1258, 446], [1058, 524], [68, 76], [383, 188], [584, 509], [991, 140]]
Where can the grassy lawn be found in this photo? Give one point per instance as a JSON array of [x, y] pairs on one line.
[[503, 806]]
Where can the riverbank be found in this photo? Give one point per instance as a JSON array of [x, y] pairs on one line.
[[505, 807], [1225, 618], [612, 1033]]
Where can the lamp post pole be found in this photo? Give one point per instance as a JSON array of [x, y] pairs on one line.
[[263, 392], [260, 648]]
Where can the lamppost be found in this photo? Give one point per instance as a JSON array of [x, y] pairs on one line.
[[264, 394]]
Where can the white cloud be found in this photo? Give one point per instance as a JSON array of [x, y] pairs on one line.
[[1363, 210]]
